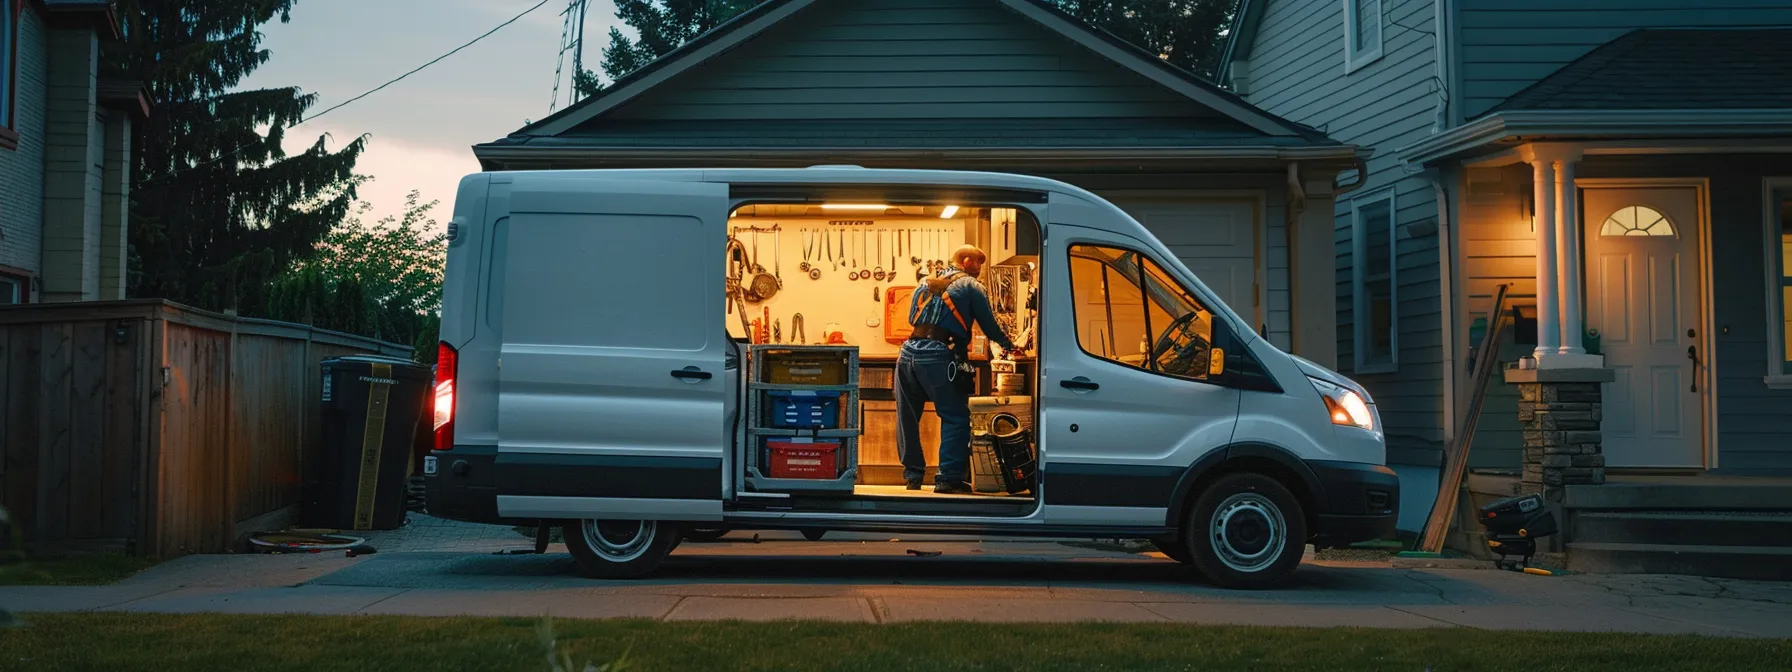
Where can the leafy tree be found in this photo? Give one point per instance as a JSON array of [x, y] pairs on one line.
[[1187, 33], [218, 208], [382, 280]]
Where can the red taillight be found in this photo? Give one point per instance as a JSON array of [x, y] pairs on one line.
[[447, 365]]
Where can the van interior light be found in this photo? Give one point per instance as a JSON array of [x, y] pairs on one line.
[[854, 206], [949, 212]]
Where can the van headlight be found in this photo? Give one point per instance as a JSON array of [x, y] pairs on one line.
[[1344, 405]]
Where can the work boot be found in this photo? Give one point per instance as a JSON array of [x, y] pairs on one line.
[[952, 488], [914, 484]]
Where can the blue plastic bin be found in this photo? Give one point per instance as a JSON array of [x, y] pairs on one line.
[[804, 409]]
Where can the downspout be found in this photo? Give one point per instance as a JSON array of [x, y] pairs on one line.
[[1362, 177], [1297, 205]]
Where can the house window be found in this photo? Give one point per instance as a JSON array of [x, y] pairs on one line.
[[1781, 273], [1362, 33], [12, 289], [1376, 306], [1637, 220], [9, 56], [1130, 311]]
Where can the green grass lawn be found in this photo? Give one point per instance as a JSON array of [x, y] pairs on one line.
[[368, 643], [85, 569]]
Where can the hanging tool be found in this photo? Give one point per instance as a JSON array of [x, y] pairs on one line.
[[877, 272], [796, 330], [877, 295], [778, 254], [777, 331], [893, 241], [804, 267]]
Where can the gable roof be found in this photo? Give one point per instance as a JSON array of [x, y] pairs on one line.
[[1672, 69], [1240, 36], [765, 16]]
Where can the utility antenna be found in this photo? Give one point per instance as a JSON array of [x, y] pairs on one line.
[[572, 39]]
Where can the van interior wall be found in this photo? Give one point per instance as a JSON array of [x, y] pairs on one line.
[[856, 306]]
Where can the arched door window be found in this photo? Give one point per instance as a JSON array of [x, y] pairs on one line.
[[1637, 220]]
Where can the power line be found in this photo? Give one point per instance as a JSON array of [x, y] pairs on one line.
[[370, 92], [437, 59]]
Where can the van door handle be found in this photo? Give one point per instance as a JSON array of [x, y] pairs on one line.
[[1079, 383], [691, 374]]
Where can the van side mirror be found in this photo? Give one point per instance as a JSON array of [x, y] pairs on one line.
[[1216, 362]]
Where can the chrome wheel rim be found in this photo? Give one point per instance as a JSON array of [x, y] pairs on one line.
[[618, 540], [1248, 532]]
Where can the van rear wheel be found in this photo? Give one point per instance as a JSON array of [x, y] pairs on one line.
[[1246, 531], [619, 549]]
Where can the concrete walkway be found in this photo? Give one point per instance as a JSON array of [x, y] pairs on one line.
[[874, 579]]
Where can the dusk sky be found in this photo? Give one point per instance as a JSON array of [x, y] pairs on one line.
[[424, 127]]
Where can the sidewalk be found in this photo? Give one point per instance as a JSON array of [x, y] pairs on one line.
[[437, 568]]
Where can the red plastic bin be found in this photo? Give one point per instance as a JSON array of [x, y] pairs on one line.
[[802, 458]]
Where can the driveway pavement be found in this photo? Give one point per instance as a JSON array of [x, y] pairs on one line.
[[437, 568]]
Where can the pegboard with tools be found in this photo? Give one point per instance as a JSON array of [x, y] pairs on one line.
[[825, 280]]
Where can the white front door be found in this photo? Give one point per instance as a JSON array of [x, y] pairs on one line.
[[1643, 280]]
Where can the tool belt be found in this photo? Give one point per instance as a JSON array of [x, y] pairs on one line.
[[932, 332]]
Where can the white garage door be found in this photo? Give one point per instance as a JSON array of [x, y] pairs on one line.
[[1215, 239]]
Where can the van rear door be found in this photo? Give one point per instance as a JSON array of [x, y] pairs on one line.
[[610, 378]]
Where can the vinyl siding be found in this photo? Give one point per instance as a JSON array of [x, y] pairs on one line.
[[1497, 247], [22, 169], [909, 59], [1506, 45], [1296, 70]]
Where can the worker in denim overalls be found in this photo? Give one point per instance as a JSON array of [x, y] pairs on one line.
[[943, 310]]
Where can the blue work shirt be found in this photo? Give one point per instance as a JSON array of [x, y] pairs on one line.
[[972, 302]]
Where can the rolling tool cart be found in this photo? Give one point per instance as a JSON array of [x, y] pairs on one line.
[[803, 418]]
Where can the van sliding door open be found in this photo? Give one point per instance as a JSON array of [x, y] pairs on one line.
[[611, 373]]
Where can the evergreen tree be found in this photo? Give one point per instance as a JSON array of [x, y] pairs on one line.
[[660, 26], [218, 208], [1186, 33]]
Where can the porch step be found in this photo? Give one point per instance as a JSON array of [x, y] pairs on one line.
[[1686, 528], [1766, 563]]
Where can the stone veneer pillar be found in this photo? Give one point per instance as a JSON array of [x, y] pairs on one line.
[[1559, 410]]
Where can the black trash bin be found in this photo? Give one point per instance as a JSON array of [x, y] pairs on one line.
[[371, 406]]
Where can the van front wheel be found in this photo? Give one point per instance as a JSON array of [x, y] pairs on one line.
[[1246, 531], [619, 549]]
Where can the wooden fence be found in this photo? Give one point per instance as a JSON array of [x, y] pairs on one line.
[[154, 426]]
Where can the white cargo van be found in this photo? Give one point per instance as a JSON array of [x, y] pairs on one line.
[[612, 343]]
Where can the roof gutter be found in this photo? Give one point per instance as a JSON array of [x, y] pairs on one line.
[[1512, 124], [836, 154]]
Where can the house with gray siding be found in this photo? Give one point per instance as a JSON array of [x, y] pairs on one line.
[[1242, 196], [1622, 171], [64, 153]]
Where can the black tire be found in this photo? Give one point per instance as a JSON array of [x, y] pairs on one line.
[[1175, 548], [619, 549], [813, 534], [1246, 531], [705, 534]]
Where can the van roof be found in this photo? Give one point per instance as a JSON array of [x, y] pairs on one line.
[[824, 174]]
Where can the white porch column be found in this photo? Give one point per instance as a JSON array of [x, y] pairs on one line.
[[1568, 266], [1549, 319]]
